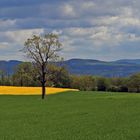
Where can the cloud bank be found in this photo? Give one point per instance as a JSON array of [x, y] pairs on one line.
[[97, 29]]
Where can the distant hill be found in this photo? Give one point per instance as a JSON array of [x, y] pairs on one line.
[[9, 66], [128, 61], [119, 68]]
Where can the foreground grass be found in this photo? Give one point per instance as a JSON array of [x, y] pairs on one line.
[[70, 116], [11, 90]]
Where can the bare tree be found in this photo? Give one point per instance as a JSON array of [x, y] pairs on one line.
[[42, 49]]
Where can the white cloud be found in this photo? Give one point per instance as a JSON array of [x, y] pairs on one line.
[[4, 45], [20, 36], [14, 42], [68, 11], [7, 24], [87, 5]]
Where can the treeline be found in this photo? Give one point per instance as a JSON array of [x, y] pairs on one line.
[[58, 76]]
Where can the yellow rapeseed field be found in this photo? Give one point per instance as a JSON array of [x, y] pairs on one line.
[[9, 90]]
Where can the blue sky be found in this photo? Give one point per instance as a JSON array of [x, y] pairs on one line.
[[95, 29]]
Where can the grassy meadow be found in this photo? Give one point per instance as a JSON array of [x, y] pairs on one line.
[[70, 116]]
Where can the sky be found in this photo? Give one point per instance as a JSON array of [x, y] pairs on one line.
[[89, 29]]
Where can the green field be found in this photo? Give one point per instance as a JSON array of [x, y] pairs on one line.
[[71, 116]]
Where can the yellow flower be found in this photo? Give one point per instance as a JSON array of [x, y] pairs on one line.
[[11, 90]]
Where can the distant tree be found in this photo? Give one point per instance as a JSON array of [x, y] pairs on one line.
[[42, 49], [58, 76], [1, 77], [134, 83], [84, 83], [117, 84], [5, 79], [102, 84], [24, 74]]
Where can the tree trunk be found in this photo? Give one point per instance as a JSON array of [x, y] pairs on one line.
[[43, 84], [43, 90]]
